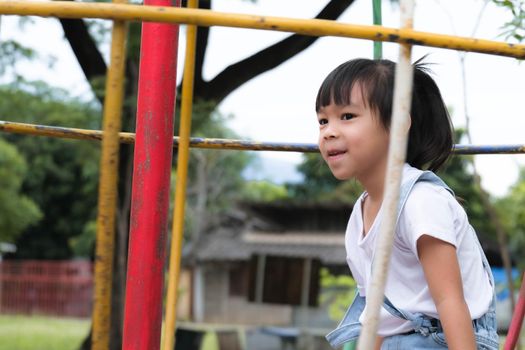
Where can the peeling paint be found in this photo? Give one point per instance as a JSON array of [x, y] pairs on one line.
[[393, 37]]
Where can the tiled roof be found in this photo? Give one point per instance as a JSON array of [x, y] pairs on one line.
[[228, 246]]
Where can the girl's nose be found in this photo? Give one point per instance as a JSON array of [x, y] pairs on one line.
[[330, 132]]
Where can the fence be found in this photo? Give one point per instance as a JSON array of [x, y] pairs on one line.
[[58, 288]]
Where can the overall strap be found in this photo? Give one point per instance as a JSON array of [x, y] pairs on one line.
[[426, 325], [408, 184], [421, 325]]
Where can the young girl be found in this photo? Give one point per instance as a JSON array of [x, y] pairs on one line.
[[440, 291]]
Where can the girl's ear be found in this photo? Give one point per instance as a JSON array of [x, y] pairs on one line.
[[409, 123]]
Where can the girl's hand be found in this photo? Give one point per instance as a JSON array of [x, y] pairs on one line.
[[441, 267]]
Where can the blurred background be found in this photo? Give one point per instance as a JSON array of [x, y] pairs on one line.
[[264, 261]]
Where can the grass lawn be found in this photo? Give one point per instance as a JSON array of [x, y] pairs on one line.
[[42, 333], [53, 333]]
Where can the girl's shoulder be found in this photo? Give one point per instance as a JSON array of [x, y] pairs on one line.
[[427, 198], [428, 186], [432, 210], [426, 189]]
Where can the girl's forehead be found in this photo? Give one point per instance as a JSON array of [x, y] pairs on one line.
[[356, 98], [357, 94]]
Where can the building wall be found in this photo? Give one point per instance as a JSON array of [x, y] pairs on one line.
[[184, 298], [221, 307]]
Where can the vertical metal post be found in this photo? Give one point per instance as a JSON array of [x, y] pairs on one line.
[[180, 186], [305, 291], [259, 278], [516, 322], [151, 184], [306, 283], [395, 162], [107, 192], [378, 45]]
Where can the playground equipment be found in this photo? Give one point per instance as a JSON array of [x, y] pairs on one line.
[[154, 143]]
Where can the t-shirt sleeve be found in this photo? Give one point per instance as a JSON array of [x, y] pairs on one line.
[[428, 211]]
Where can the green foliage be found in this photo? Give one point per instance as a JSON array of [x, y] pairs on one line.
[[510, 209], [63, 173], [318, 180], [320, 185], [515, 28], [12, 52], [264, 191], [459, 176], [17, 211], [336, 291], [83, 245]]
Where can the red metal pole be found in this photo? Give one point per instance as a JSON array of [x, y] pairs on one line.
[[517, 320], [151, 184]]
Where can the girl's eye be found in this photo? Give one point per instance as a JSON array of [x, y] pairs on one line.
[[347, 116], [323, 121]]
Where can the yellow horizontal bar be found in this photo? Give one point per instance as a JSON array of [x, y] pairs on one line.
[[314, 27], [228, 144], [129, 138]]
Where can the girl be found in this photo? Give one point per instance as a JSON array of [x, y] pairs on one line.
[[440, 291]]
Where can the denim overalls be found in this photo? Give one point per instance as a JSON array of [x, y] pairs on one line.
[[428, 333]]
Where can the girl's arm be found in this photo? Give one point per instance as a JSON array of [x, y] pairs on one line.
[[441, 267]]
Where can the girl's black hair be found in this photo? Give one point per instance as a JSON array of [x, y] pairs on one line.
[[430, 138]]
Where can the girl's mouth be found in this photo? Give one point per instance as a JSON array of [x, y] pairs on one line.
[[336, 153]]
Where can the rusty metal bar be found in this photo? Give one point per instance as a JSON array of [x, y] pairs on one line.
[[107, 193], [225, 144], [208, 18], [180, 186]]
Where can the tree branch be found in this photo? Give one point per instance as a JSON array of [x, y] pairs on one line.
[[239, 73], [200, 49], [85, 50]]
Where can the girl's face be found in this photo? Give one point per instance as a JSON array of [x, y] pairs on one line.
[[352, 140]]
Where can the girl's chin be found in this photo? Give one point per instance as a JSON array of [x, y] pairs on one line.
[[341, 176]]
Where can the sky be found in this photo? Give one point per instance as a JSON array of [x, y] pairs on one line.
[[279, 105]]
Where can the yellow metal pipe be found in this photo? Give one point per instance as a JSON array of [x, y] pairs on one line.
[[224, 144], [107, 194], [129, 138], [180, 185], [314, 27]]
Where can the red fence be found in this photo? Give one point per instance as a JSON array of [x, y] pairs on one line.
[[60, 288]]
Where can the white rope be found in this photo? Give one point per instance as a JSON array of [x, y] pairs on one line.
[[396, 158]]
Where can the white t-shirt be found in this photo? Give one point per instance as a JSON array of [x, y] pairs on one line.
[[430, 210]]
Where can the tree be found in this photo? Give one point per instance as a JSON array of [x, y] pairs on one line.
[[17, 211], [515, 28], [510, 209], [263, 191], [63, 174], [320, 185]]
